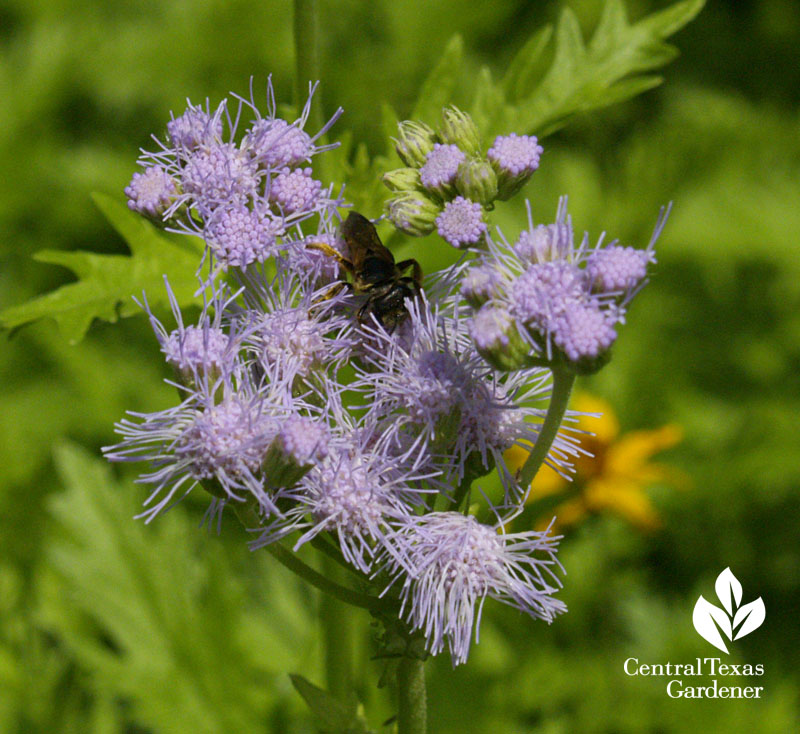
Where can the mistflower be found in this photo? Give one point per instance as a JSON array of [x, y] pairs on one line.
[[515, 158], [544, 291], [219, 442], [449, 563], [196, 349], [219, 174], [294, 190], [616, 269], [480, 284], [545, 242], [357, 493], [239, 236], [434, 385], [299, 443], [152, 192], [461, 223], [441, 167], [276, 144], [584, 331], [196, 127], [203, 352], [562, 297]]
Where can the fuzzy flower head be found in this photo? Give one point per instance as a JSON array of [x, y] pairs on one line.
[[565, 301], [291, 331], [461, 223], [200, 353], [239, 236], [449, 563], [357, 493], [195, 127], [515, 158], [218, 437], [294, 191], [440, 169], [151, 193]]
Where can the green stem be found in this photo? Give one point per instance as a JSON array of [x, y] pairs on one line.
[[562, 385], [306, 49], [412, 705], [338, 637], [249, 518]]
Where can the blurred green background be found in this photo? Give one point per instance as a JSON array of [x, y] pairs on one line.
[[110, 626]]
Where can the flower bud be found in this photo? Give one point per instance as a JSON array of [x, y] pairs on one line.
[[459, 129], [477, 180], [497, 339], [412, 212], [402, 179], [415, 140]]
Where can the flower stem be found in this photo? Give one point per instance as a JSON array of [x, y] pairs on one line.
[[306, 50], [412, 704], [337, 632], [249, 518], [563, 380]]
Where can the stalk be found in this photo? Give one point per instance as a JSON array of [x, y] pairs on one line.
[[412, 704], [562, 386]]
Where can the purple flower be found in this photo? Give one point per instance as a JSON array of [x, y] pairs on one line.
[[614, 269], [481, 283], [561, 297], [441, 167], [291, 332], [461, 223], [151, 192], [275, 143], [239, 236], [545, 290], [449, 563], [200, 353], [196, 127], [295, 191], [219, 174], [515, 154], [515, 158], [357, 493], [217, 441], [584, 331]]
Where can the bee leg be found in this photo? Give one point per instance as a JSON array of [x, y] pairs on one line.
[[325, 248], [416, 271]]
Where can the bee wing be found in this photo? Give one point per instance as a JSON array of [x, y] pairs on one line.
[[363, 241]]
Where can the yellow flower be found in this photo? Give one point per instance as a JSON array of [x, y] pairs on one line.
[[614, 478]]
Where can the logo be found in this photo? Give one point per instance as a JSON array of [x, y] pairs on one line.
[[734, 620]]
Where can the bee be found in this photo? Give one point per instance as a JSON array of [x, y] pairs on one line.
[[374, 273]]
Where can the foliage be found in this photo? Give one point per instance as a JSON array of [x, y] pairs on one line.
[[714, 346]]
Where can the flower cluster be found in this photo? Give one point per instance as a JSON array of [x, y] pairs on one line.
[[448, 182], [313, 421], [243, 193], [543, 299]]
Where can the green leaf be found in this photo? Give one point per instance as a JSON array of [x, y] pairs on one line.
[[177, 637], [107, 283], [579, 78], [335, 716], [437, 90]]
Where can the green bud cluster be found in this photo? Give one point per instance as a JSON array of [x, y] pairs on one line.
[[413, 207]]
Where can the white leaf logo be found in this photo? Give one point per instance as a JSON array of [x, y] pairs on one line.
[[709, 620]]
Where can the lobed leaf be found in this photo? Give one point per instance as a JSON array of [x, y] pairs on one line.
[[107, 284]]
